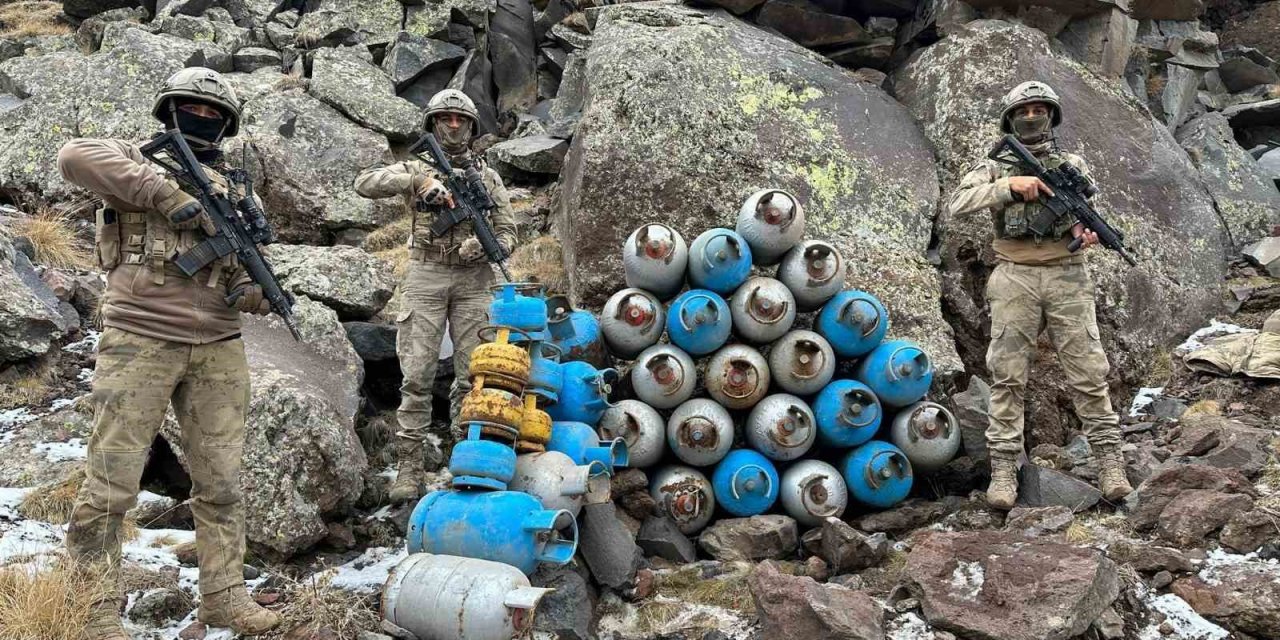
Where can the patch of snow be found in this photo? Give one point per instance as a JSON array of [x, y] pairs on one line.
[[1222, 566], [1215, 329], [909, 626], [968, 578], [10, 498], [380, 514], [1186, 623], [367, 573], [1144, 398], [14, 417], [388, 473], [73, 449], [62, 403], [87, 345], [29, 537], [85, 375]]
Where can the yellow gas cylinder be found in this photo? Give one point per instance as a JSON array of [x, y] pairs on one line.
[[535, 428], [500, 412], [500, 365]]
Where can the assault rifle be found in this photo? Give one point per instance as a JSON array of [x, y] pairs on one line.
[[240, 228], [1071, 193], [471, 201]]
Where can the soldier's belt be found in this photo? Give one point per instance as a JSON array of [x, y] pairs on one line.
[[437, 253]]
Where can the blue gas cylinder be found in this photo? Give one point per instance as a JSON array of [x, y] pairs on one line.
[[545, 374], [699, 321], [482, 464], [745, 483], [898, 371], [503, 526], [878, 474], [854, 322], [581, 443], [522, 306], [848, 413], [584, 393], [719, 260], [576, 332]]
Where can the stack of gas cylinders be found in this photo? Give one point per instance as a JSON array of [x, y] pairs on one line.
[[472, 546], [741, 410]]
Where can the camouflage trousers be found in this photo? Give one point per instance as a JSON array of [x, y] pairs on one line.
[[1026, 300], [135, 380], [432, 293]]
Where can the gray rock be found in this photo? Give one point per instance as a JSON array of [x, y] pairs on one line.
[[738, 7], [1241, 73], [1180, 282], [375, 22], [1167, 408], [798, 607], [1270, 163], [373, 342], [808, 24], [410, 56], [532, 154], [1190, 517], [1041, 487], [1245, 196], [89, 35], [295, 138], [568, 611], [660, 537], [744, 93], [881, 27], [1066, 8], [89, 8], [1167, 9], [1038, 521], [420, 91], [31, 316], [1246, 532], [158, 607], [357, 88], [250, 59], [1147, 503], [569, 39], [607, 545], [1261, 113], [1007, 587], [908, 515], [572, 92], [751, 539], [328, 28], [1247, 606], [474, 77], [432, 19], [227, 36], [550, 16], [514, 52], [1265, 253], [1244, 449], [1103, 41], [847, 550], [971, 410], [1148, 558], [873, 55], [347, 279]]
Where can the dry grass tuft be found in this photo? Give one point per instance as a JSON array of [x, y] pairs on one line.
[[49, 602], [53, 235], [678, 589], [397, 259], [1161, 366], [1079, 533], [392, 235], [25, 19], [542, 261], [52, 503], [1203, 408], [24, 385], [313, 604], [287, 82]]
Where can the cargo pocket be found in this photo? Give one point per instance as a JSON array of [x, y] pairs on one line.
[[107, 238], [404, 335], [1092, 329]]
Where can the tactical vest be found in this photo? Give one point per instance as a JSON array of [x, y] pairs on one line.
[[420, 224], [145, 238], [1015, 220]]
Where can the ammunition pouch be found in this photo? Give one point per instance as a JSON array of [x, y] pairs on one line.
[[107, 239]]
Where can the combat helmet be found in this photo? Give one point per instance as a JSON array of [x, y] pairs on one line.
[[1024, 93], [451, 101], [199, 84]]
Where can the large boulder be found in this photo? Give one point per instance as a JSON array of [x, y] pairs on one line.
[[1245, 195], [362, 91], [727, 109], [87, 8], [376, 21], [513, 52], [1149, 190], [798, 607], [1244, 596], [1149, 500], [31, 316], [309, 158], [1006, 587], [303, 462], [410, 56], [1258, 27], [346, 279], [752, 539]]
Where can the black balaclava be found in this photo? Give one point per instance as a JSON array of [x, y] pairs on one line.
[[202, 134]]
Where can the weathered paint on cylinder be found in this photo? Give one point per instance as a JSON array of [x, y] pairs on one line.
[[781, 427], [500, 366], [545, 376], [632, 320], [663, 376], [655, 258], [520, 305], [454, 598], [719, 261], [898, 371], [848, 414], [580, 442], [492, 405], [878, 474], [802, 362], [771, 221], [503, 526], [762, 309], [746, 483], [584, 393], [482, 464], [576, 332], [684, 495], [814, 271], [813, 491], [700, 432], [928, 434], [640, 426], [557, 481], [854, 322], [737, 377], [535, 427], [699, 321]]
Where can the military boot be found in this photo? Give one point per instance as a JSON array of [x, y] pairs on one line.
[[1003, 490], [104, 622], [1111, 473], [234, 609], [409, 471]]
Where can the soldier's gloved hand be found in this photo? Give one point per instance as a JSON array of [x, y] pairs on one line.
[[428, 190], [470, 250], [185, 213], [249, 299]]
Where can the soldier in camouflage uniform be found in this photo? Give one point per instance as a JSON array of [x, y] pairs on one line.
[[167, 338], [448, 278], [1038, 284]]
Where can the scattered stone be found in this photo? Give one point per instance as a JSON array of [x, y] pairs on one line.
[[1190, 517], [909, 515], [250, 572], [1242, 596], [971, 411], [807, 24], [607, 545], [848, 550], [1161, 580], [194, 631], [250, 59], [1038, 521], [1167, 408], [90, 8], [659, 536], [1263, 113], [1148, 558], [410, 56], [798, 607], [1149, 500], [372, 341], [539, 154], [1246, 532], [347, 279], [816, 568], [1041, 487], [848, 581], [638, 504], [752, 539], [157, 607], [31, 315], [1197, 439], [988, 585], [881, 27], [186, 554], [1051, 456], [1265, 253], [874, 55], [1239, 74], [871, 76], [567, 611]]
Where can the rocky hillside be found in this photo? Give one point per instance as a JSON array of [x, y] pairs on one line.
[[602, 118]]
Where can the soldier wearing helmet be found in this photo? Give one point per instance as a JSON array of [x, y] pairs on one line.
[[1038, 284], [447, 279], [168, 339]]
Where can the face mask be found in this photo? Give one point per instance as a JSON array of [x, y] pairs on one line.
[[200, 132], [453, 140], [1031, 129]]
